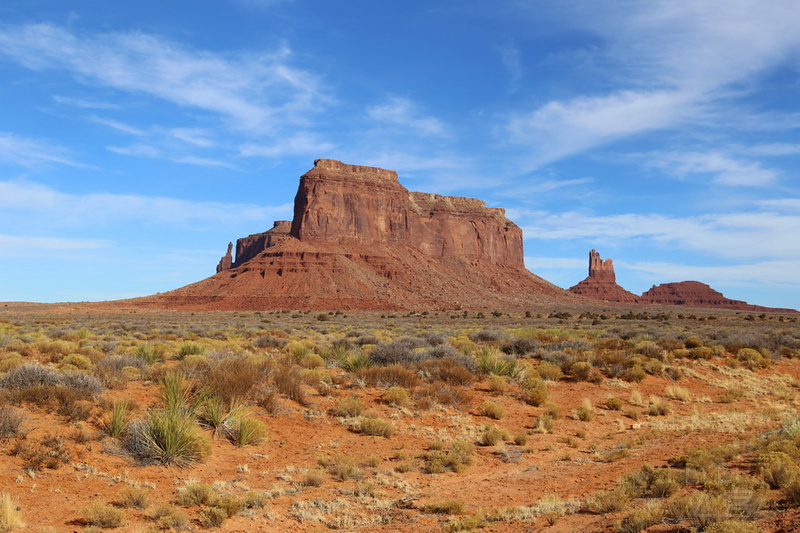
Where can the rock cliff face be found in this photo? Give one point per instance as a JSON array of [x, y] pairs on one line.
[[602, 282], [360, 240]]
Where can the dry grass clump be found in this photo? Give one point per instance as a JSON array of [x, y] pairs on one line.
[[134, 497], [394, 375], [548, 371], [397, 396], [733, 526], [50, 452], [533, 391], [349, 407], [376, 427], [640, 519], [235, 378], [247, 431], [118, 421], [586, 412], [492, 436], [167, 438], [102, 514], [11, 422], [442, 394], [10, 513], [608, 501], [492, 409], [287, 381], [457, 459], [444, 507]]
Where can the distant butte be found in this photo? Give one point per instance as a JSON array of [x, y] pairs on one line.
[[601, 285], [602, 282], [360, 240]]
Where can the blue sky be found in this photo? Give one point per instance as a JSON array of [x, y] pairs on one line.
[[136, 141]]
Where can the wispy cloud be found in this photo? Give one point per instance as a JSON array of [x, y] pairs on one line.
[[29, 152], [669, 63], [48, 206], [511, 59], [758, 234], [256, 92], [725, 169], [18, 246], [117, 125], [298, 144], [778, 272], [403, 113]]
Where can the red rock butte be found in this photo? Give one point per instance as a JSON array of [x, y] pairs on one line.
[[360, 240], [601, 283]]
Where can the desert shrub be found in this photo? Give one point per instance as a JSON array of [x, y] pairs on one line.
[[752, 359], [390, 376], [701, 352], [213, 516], [634, 373], [75, 362], [649, 482], [613, 363], [497, 384], [169, 517], [313, 478], [533, 391], [341, 467], [455, 460], [212, 413], [448, 370], [116, 369], [407, 350], [654, 367], [581, 370], [733, 526], [11, 422], [791, 490], [268, 341], [443, 394], [520, 346], [196, 494], [247, 431], [255, 500], [677, 393], [487, 335], [29, 376], [776, 468], [10, 515], [168, 438], [288, 382], [234, 379], [349, 407], [491, 409], [397, 396], [608, 501], [491, 436], [700, 508], [641, 519], [615, 404], [50, 452], [658, 407], [549, 371], [746, 495], [585, 413], [134, 497], [231, 504], [444, 507], [102, 514], [376, 427], [10, 361]]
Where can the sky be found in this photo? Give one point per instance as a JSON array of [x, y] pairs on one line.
[[138, 138]]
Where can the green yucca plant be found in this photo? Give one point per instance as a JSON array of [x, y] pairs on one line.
[[119, 418], [148, 353], [169, 438], [248, 431], [175, 392]]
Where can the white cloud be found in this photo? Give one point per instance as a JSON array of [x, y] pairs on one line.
[[256, 92], [757, 234], [668, 63], [26, 246], [727, 170], [29, 152], [778, 272], [47, 206], [403, 113], [119, 126], [299, 144]]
